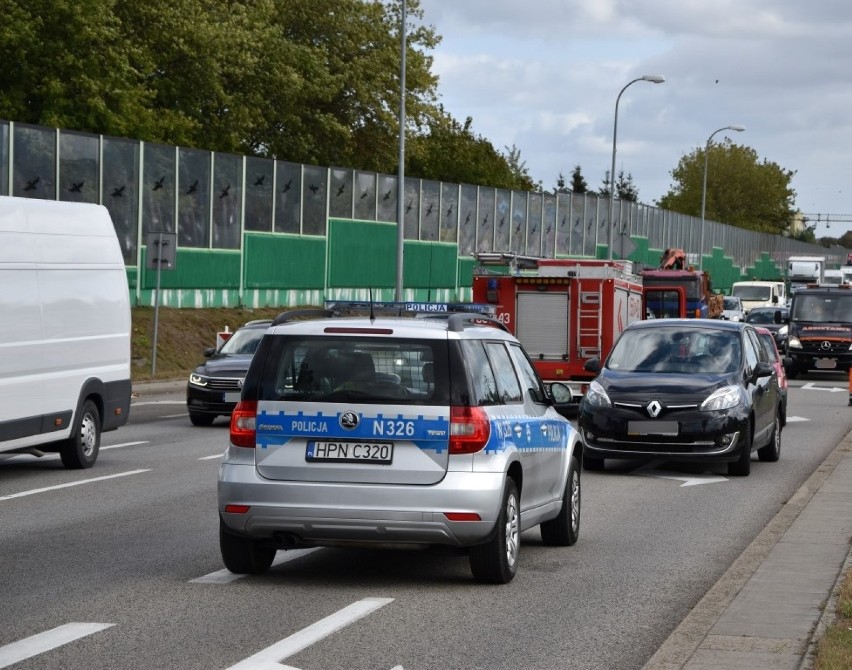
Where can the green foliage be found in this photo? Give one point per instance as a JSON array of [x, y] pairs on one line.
[[311, 81], [451, 152], [741, 191], [625, 189]]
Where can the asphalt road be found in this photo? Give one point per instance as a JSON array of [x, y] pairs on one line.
[[132, 545]]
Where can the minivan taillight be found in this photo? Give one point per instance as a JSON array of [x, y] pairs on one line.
[[469, 430], [243, 424]]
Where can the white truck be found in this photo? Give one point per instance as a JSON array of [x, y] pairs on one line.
[[65, 331], [832, 278], [804, 270], [760, 294]]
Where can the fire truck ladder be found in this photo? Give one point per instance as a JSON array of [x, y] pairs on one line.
[[589, 324]]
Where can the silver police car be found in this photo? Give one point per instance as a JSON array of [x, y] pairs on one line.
[[399, 433]]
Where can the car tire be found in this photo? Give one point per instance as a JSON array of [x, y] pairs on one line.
[[81, 448], [496, 561], [772, 451], [742, 466], [792, 373], [198, 419], [242, 555], [564, 529], [593, 464]]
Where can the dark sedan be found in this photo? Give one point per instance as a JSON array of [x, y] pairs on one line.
[[214, 387], [775, 320], [684, 390]]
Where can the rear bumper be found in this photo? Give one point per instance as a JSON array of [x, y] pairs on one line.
[[310, 513]]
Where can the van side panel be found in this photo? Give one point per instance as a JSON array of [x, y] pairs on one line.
[[65, 331]]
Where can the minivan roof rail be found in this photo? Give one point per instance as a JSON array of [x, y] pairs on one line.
[[298, 314]]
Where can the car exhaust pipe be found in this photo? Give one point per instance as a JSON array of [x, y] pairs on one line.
[[287, 540]]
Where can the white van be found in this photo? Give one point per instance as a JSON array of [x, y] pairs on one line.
[[760, 294], [64, 331]]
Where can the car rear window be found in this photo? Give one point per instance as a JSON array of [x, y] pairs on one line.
[[310, 369]]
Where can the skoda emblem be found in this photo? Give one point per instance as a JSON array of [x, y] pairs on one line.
[[825, 346], [654, 408], [349, 420]]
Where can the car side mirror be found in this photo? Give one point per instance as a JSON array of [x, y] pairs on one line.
[[561, 393], [763, 369], [592, 365], [209, 351]]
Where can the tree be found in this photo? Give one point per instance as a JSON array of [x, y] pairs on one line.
[[741, 191], [578, 181], [314, 81], [625, 189], [450, 151]]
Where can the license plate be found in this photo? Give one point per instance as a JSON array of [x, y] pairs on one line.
[[349, 452], [825, 363], [232, 396], [652, 428]]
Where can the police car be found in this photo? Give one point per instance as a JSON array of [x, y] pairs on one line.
[[397, 432]]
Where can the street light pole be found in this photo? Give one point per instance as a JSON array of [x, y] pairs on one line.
[[654, 79], [738, 129]]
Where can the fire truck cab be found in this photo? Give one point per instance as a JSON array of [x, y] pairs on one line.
[[564, 311]]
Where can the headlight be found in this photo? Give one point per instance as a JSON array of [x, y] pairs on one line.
[[197, 380], [596, 396], [725, 398], [793, 343]]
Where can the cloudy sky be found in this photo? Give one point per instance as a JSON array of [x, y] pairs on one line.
[[544, 75]]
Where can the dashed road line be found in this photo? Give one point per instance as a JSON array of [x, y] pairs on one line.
[[31, 492], [51, 639], [226, 576], [210, 458], [123, 444], [289, 646]]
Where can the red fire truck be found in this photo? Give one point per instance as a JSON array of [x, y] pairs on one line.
[[564, 311]]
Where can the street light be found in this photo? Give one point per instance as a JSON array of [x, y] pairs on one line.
[[738, 129], [654, 79]]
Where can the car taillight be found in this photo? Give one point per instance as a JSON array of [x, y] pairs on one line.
[[243, 424], [469, 430]]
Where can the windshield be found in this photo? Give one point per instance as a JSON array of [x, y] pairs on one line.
[[732, 303], [690, 284], [822, 308], [747, 292], [763, 316], [675, 350], [244, 341]]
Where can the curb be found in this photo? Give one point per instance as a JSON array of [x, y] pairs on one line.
[[681, 645]]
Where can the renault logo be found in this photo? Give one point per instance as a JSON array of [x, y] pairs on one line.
[[654, 408], [825, 346]]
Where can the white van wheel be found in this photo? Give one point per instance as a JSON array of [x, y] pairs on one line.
[[80, 450]]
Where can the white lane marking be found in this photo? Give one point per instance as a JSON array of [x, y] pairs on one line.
[[226, 576], [65, 486], [688, 480], [810, 386], [269, 658], [796, 419], [210, 458], [124, 444], [650, 470], [175, 416], [51, 639], [158, 402]]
